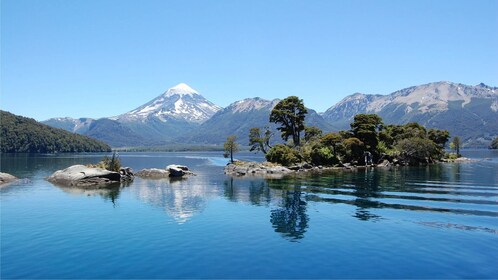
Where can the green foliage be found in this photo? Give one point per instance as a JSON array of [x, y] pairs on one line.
[[230, 147], [438, 136], [494, 144], [24, 135], [260, 142], [416, 150], [109, 163], [333, 140], [366, 127], [283, 154], [322, 155], [311, 133], [354, 148], [290, 114]]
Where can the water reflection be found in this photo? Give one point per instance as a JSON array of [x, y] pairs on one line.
[[180, 198], [109, 193], [254, 191], [288, 216], [290, 219]]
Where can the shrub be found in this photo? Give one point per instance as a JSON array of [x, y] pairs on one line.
[[323, 156], [418, 150], [283, 154], [109, 163]]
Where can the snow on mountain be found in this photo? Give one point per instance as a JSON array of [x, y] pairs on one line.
[[180, 102], [467, 111], [250, 104]]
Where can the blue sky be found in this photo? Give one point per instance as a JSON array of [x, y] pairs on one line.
[[86, 58]]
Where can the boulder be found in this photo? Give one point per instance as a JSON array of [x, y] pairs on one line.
[[83, 176], [6, 178], [175, 171], [153, 173], [384, 163], [126, 174]]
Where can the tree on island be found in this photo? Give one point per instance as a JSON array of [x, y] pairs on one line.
[[260, 142], [230, 147], [290, 114], [366, 128], [455, 145]]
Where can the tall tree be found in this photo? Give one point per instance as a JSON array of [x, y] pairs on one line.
[[290, 114], [230, 147], [259, 142], [366, 128], [455, 143]]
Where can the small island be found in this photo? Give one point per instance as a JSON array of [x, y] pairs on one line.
[[369, 142]]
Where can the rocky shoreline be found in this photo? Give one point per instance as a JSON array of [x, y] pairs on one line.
[[271, 170]]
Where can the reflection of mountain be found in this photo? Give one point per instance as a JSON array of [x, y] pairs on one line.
[[181, 199]]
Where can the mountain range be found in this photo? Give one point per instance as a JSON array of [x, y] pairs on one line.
[[182, 115]]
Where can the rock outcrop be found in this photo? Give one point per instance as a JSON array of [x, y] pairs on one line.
[[83, 176], [257, 169], [6, 178], [153, 173], [172, 170]]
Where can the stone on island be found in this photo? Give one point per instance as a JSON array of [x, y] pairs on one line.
[[83, 176]]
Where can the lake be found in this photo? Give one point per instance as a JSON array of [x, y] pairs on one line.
[[439, 221]]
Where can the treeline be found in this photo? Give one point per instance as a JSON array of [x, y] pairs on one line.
[[369, 140], [24, 135]]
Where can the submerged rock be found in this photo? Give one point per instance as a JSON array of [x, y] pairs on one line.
[[6, 178], [83, 176]]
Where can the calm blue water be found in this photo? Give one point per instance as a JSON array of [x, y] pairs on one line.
[[429, 222]]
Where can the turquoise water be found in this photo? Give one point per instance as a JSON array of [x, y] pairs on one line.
[[429, 222]]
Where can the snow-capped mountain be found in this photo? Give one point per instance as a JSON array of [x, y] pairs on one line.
[[470, 112], [180, 102]]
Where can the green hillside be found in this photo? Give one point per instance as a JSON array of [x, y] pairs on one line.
[[24, 135]]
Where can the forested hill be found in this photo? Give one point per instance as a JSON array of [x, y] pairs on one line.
[[24, 135]]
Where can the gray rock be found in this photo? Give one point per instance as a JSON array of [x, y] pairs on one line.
[[126, 174], [6, 178], [384, 163], [153, 173], [82, 176]]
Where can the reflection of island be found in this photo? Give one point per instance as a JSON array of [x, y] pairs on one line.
[[110, 192], [288, 217], [181, 199]]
